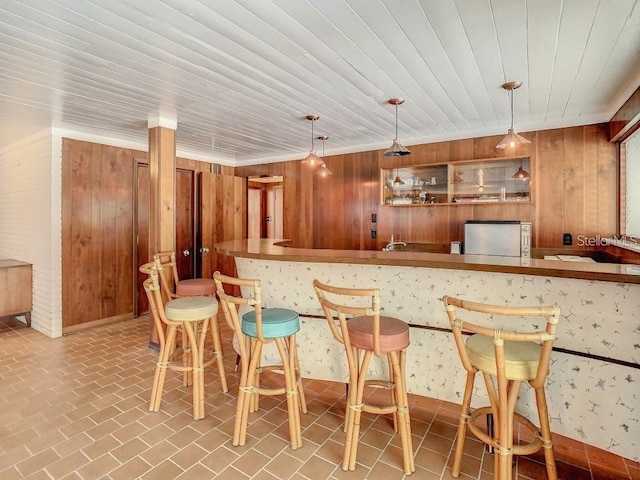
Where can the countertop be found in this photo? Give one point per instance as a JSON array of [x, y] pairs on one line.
[[275, 249]]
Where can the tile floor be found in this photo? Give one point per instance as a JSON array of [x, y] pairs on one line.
[[77, 408]]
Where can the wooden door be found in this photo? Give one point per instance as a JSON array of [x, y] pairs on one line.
[[185, 222], [223, 205], [255, 214], [274, 211], [185, 234]]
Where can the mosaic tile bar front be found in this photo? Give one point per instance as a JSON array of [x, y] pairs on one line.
[[591, 400]]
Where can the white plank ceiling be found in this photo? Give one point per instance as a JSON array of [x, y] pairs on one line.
[[239, 76]]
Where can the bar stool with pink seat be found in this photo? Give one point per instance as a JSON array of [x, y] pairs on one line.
[[353, 315]]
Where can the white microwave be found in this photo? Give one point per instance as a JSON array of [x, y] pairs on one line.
[[506, 238]]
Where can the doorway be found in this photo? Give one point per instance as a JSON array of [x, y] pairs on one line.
[[265, 207], [185, 228]]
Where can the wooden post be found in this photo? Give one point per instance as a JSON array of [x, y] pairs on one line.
[[162, 173]]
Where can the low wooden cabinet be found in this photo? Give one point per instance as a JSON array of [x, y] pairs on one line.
[[15, 289]]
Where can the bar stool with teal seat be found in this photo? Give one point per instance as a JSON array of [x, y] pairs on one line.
[[254, 329]]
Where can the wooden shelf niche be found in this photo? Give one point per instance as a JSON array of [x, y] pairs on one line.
[[478, 181]]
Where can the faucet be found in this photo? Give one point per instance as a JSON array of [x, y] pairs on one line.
[[391, 246]]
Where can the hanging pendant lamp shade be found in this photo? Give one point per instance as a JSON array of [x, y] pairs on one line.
[[397, 181], [396, 149], [512, 139], [323, 171], [521, 174], [312, 160]]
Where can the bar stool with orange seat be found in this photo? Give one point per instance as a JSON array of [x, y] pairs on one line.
[[506, 358], [364, 332], [254, 329], [191, 315], [167, 268]]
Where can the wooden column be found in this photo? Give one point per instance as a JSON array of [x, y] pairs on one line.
[[162, 176]]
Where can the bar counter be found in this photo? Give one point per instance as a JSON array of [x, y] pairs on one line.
[[592, 385]]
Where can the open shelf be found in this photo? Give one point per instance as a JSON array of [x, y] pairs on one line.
[[478, 181]]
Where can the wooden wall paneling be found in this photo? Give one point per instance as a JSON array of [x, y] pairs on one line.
[[118, 242], [371, 187], [549, 188], [143, 252], [573, 206], [590, 184], [608, 189], [97, 239], [328, 202]]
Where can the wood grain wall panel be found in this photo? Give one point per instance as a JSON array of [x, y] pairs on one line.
[[591, 166], [573, 211], [608, 185], [563, 162], [548, 188], [97, 232]]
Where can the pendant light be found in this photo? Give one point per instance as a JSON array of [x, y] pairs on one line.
[[396, 149], [521, 174], [512, 139], [397, 181], [312, 160], [323, 171]]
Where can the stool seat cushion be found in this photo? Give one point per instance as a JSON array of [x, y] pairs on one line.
[[196, 286], [394, 333], [521, 358], [190, 309], [276, 323]]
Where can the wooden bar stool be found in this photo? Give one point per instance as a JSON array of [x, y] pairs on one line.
[[506, 358], [254, 329], [191, 315], [167, 268], [364, 333]]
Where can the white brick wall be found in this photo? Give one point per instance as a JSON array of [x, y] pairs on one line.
[[30, 220]]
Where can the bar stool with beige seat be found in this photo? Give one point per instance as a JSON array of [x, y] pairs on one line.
[[506, 358], [168, 270], [191, 315], [364, 332], [254, 329]]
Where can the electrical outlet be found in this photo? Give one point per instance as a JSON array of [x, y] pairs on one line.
[[374, 218], [567, 239], [374, 233]]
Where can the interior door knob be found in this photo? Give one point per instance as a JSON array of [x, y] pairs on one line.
[[186, 252], [204, 251]]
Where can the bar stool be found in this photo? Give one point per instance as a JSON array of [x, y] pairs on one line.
[[364, 334], [506, 358], [256, 328], [167, 267], [191, 315]]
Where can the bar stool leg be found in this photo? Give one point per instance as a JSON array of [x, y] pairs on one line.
[[402, 414], [250, 391], [217, 347], [545, 430], [353, 432], [290, 390], [462, 425]]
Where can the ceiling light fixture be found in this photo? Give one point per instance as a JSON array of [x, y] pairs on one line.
[[312, 159], [512, 139], [396, 149], [323, 171]]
